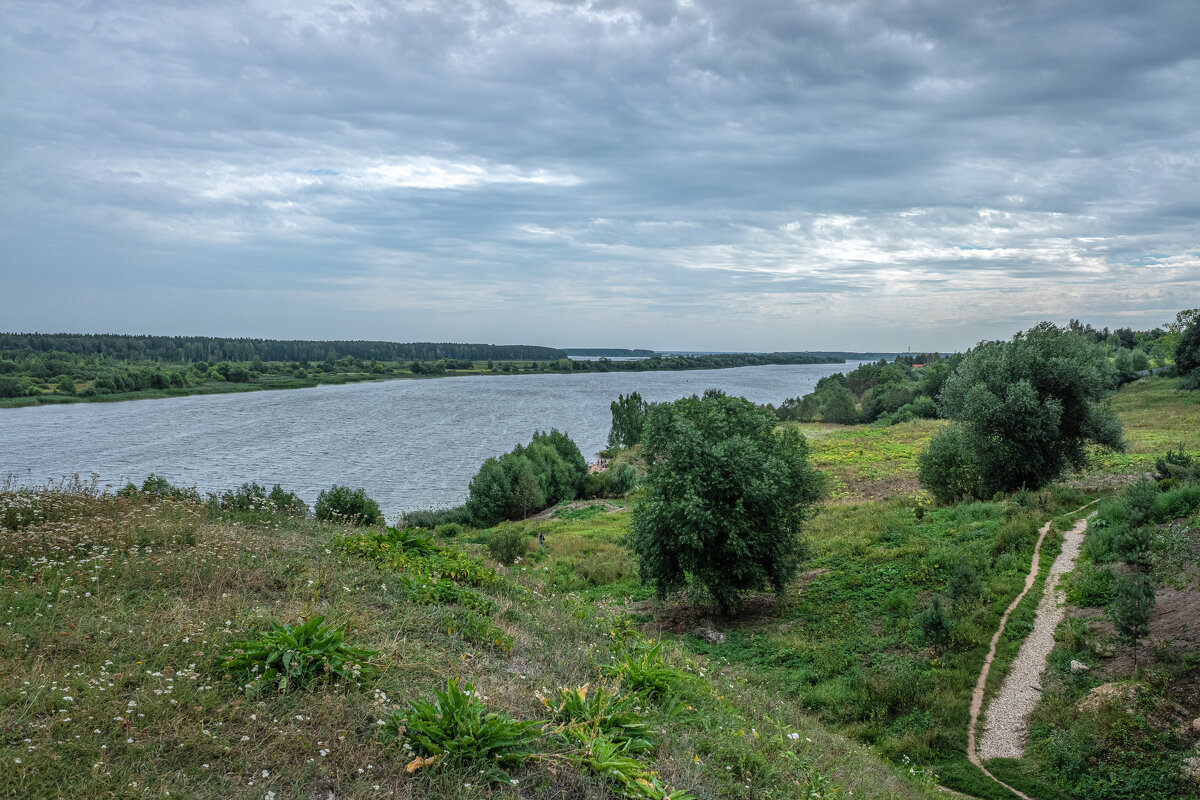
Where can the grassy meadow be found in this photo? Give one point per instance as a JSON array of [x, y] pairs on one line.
[[118, 612]]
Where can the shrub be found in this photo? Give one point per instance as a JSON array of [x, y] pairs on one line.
[[1176, 503], [964, 583], [343, 504], [286, 503], [623, 478], [433, 518], [507, 544], [1175, 467], [457, 726], [1014, 534], [296, 656], [250, 497], [1091, 588], [945, 467], [155, 487]]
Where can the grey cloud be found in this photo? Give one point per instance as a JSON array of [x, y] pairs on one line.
[[732, 172]]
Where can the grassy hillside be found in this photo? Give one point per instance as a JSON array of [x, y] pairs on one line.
[[118, 611]]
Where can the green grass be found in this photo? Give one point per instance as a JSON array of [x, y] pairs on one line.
[[1157, 416], [866, 462], [842, 642], [117, 613]]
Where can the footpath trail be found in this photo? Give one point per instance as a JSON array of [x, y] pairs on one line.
[[1008, 714]]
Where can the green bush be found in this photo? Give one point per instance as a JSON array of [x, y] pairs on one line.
[[945, 467], [1014, 534], [1176, 503], [1091, 588], [250, 497], [457, 726], [549, 470], [351, 506], [433, 518], [290, 657], [1030, 408], [507, 544], [155, 487], [726, 499]]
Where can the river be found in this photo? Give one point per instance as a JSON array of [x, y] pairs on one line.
[[409, 443]]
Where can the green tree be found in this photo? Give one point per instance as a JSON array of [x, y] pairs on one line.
[[1131, 608], [628, 420], [836, 404], [1027, 409], [726, 496], [1187, 353], [487, 501], [527, 494]]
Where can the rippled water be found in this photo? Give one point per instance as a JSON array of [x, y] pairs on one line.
[[411, 444]]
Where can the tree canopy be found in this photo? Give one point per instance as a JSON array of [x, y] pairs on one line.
[[548, 470], [726, 496], [1023, 411]]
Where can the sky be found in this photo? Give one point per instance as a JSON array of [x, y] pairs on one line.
[[851, 175]]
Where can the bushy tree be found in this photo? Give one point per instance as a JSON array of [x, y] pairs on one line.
[[726, 496], [946, 467], [836, 404], [549, 470], [1027, 409], [628, 420]]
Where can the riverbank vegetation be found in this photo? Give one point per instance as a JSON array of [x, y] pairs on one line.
[[68, 368]]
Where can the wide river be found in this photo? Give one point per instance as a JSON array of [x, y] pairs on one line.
[[409, 443]]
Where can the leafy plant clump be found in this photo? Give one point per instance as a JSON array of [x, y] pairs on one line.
[[156, 487], [253, 498], [343, 504], [290, 657], [458, 726], [645, 671], [603, 711]]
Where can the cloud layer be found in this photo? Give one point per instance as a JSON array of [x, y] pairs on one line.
[[666, 174]]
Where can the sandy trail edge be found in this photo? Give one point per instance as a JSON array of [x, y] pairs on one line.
[[981, 684]]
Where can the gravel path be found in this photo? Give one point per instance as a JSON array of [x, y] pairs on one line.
[[1006, 729]]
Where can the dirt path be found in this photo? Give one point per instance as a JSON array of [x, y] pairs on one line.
[[981, 684], [1007, 724]]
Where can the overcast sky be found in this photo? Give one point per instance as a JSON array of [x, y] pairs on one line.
[[693, 175]]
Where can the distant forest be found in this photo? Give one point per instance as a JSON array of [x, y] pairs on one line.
[[193, 349], [607, 352]]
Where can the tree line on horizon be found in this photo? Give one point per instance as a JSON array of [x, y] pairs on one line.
[[188, 349]]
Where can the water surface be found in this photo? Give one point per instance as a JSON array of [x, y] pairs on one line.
[[409, 443]]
